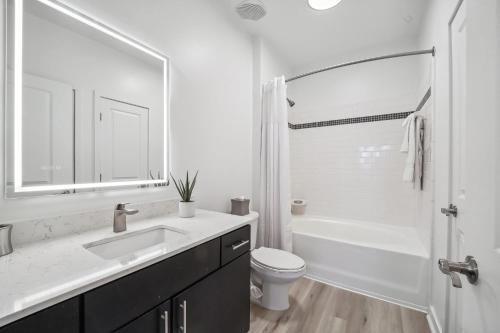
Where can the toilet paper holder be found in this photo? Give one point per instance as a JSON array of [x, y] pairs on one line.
[[299, 206]]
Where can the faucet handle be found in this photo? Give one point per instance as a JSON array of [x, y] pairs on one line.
[[122, 205]]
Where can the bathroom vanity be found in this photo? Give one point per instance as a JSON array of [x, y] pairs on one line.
[[200, 284], [105, 130]]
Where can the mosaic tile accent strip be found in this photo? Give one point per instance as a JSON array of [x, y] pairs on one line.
[[365, 119], [347, 121]]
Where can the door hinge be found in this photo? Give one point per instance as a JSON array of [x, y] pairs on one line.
[[450, 211], [100, 116], [100, 178]]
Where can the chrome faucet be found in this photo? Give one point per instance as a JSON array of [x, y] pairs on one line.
[[120, 219]]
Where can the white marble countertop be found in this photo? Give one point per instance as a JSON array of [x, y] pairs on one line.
[[38, 275]]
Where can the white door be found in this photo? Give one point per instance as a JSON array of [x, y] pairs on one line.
[[47, 132], [122, 141], [475, 171]]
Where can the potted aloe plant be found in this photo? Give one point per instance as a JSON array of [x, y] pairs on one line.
[[187, 207]]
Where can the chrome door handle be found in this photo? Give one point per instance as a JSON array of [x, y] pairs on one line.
[[450, 211], [468, 268], [183, 306], [242, 243], [165, 320]]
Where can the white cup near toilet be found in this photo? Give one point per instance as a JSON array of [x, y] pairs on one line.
[[273, 271]]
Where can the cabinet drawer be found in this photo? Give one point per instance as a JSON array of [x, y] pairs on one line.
[[114, 304], [235, 244], [62, 318]]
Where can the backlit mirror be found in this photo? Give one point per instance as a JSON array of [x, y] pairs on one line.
[[87, 107]]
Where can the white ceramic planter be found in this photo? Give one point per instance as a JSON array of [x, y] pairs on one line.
[[187, 209]]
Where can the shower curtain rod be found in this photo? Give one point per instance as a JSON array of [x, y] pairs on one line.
[[390, 56]]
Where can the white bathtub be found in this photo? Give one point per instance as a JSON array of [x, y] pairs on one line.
[[375, 259]]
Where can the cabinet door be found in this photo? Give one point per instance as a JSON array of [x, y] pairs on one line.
[[157, 320], [61, 318], [219, 303]]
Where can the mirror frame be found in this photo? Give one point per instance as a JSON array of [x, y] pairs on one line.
[[18, 99]]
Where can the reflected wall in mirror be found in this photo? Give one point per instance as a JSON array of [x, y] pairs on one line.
[[86, 105]]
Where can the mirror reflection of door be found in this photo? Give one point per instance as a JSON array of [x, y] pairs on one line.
[[121, 141], [47, 153]]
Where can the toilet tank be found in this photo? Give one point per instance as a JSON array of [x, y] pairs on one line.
[[253, 229]]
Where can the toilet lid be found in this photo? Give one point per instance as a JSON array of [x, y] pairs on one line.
[[277, 259]]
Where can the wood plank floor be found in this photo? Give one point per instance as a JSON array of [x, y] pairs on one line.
[[319, 308]]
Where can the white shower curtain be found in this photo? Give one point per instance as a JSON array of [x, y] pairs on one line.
[[274, 187]]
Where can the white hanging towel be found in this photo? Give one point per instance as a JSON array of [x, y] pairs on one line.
[[413, 144], [419, 154], [409, 146]]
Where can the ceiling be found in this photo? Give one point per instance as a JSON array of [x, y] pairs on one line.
[[302, 35]]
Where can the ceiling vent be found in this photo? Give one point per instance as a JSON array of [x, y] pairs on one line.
[[251, 10]]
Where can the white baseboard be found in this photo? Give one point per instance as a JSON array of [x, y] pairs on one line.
[[433, 321]]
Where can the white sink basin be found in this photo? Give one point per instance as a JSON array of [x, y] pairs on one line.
[[122, 245]]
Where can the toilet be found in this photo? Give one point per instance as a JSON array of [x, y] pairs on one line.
[[273, 271]]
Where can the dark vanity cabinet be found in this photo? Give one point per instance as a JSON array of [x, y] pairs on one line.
[[63, 317], [202, 290]]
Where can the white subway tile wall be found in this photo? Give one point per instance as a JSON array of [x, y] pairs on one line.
[[353, 172]]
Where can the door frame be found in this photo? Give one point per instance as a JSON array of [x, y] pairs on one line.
[[450, 299]]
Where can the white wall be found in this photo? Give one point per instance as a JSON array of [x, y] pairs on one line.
[[435, 32], [271, 64], [354, 171], [211, 88]]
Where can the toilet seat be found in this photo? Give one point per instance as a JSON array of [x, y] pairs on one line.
[[277, 260]]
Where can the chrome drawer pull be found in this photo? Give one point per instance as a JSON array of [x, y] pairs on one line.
[[184, 316], [165, 320], [236, 246]]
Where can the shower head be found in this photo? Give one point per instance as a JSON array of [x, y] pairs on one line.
[[290, 102]]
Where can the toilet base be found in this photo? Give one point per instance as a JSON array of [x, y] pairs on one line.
[[275, 283], [275, 296]]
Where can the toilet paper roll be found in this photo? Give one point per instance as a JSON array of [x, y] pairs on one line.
[[298, 206]]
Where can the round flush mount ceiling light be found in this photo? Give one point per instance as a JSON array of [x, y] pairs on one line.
[[323, 4]]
